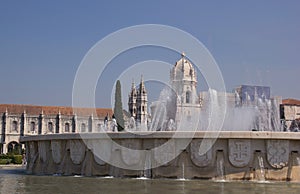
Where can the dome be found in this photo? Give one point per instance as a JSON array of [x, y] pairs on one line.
[[183, 69]]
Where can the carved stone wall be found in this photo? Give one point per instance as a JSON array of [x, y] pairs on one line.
[[77, 151], [196, 157], [278, 153], [243, 158], [57, 151], [239, 152]]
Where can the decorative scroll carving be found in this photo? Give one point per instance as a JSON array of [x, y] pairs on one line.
[[198, 159], [56, 147], [77, 151], [42, 148], [278, 153]]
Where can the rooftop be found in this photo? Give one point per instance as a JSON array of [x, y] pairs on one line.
[[291, 101], [53, 110]]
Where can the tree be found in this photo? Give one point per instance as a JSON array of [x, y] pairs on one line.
[[118, 110]]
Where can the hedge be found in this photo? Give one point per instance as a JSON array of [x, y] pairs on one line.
[[5, 161], [17, 159], [10, 159]]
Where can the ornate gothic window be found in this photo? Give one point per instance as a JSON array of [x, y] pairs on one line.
[[188, 96], [32, 127], [67, 127], [50, 127], [83, 127], [15, 126]]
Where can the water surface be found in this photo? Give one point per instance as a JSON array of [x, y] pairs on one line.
[[15, 180]]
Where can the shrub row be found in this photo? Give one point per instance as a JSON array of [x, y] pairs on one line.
[[10, 159]]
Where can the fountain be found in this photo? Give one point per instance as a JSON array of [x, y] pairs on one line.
[[259, 113], [146, 173], [178, 109], [159, 117], [163, 111], [171, 125], [259, 167], [182, 172], [294, 167], [132, 125], [220, 166]]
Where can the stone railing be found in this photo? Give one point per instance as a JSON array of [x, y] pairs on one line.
[[258, 156]]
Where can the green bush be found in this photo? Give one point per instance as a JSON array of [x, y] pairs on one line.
[[9, 158], [5, 161], [17, 159], [4, 156]]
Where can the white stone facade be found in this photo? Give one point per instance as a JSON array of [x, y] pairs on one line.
[[14, 124], [290, 114], [183, 80]]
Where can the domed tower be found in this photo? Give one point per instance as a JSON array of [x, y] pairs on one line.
[[184, 83]]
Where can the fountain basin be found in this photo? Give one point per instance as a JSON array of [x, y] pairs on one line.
[[71, 154]]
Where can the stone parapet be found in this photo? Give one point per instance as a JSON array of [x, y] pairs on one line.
[[258, 156]]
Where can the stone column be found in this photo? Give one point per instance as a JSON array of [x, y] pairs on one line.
[[90, 124], [40, 124], [23, 124], [3, 132], [58, 123], [74, 123]]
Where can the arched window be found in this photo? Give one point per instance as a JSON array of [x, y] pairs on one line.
[[14, 148], [15, 126], [82, 127], [32, 127], [90, 125], [50, 127], [188, 97], [67, 127]]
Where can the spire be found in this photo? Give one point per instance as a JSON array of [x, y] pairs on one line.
[[142, 85], [182, 55], [133, 89], [182, 59], [132, 85]]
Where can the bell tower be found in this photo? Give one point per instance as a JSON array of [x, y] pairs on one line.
[[184, 83], [138, 103], [132, 100], [141, 104]]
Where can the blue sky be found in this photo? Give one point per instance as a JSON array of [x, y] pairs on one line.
[[43, 42]]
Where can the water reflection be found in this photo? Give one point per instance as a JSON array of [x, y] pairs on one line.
[[16, 181]]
